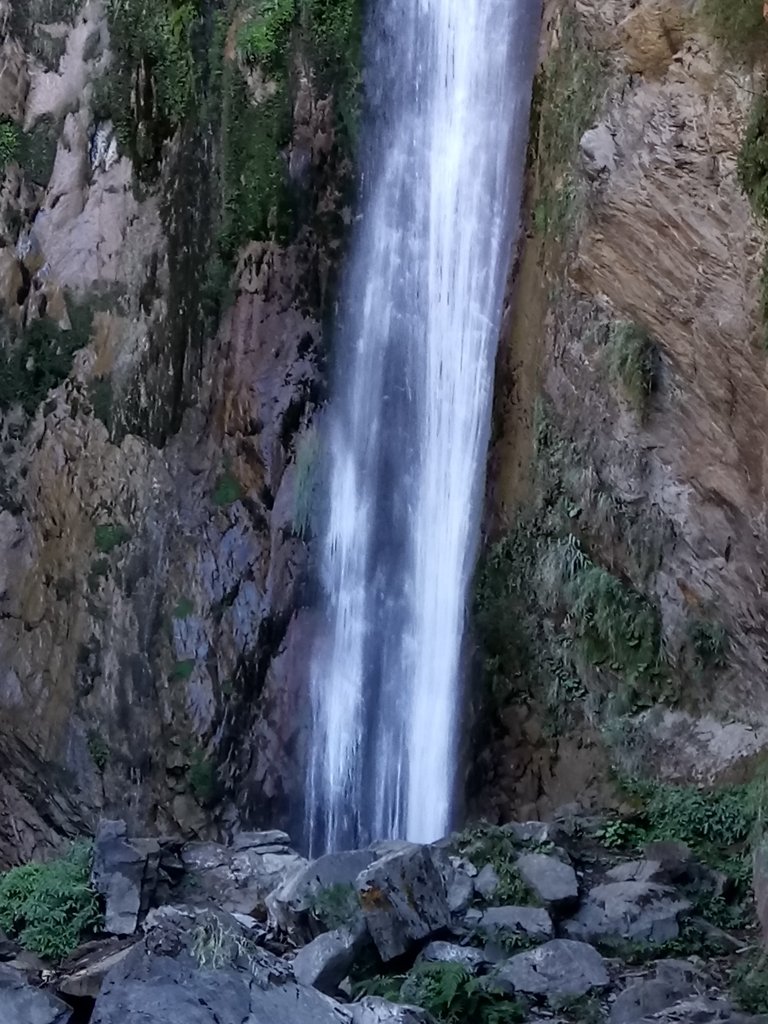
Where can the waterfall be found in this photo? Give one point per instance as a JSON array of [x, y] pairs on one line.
[[448, 87]]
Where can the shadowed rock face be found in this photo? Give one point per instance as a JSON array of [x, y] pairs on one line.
[[156, 494]]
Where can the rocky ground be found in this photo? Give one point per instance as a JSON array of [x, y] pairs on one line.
[[523, 922]]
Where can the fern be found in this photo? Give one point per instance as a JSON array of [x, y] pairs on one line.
[[50, 907], [454, 996]]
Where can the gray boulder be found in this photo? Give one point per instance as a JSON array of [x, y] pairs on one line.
[[458, 874], [200, 968], [20, 1003], [125, 872], [560, 968], [553, 881], [404, 899], [672, 981], [638, 911], [500, 923], [487, 882], [474, 960], [664, 862], [327, 960], [701, 1010], [239, 878], [378, 1011], [534, 831]]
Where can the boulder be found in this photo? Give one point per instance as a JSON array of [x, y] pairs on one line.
[[404, 899], [536, 832], [553, 881], [289, 903], [84, 978], [20, 1003], [327, 960], [474, 960], [672, 981], [559, 969], [239, 878], [487, 882], [459, 884], [701, 1010], [637, 911], [664, 862], [200, 968], [378, 1011], [125, 872], [599, 154], [498, 924]]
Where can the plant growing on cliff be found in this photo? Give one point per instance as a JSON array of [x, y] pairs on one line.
[[227, 490], [335, 905], [740, 24], [109, 536], [630, 358], [264, 38], [9, 141], [451, 994], [50, 908], [203, 779], [487, 844]]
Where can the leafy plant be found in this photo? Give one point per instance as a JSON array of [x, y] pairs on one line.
[[98, 749], [182, 670], [335, 906], [740, 24], [264, 38], [37, 361], [630, 359], [708, 642], [183, 608], [216, 946], [109, 536], [487, 844], [749, 984], [50, 908], [617, 834]]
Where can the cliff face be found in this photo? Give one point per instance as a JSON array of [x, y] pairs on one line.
[[621, 605], [171, 213]]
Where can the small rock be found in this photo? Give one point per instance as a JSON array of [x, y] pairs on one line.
[[20, 1003], [84, 980], [487, 882], [449, 953], [554, 882], [378, 1011], [560, 968], [459, 884], [598, 151], [257, 840], [675, 859], [404, 899], [327, 960], [533, 831], [638, 911]]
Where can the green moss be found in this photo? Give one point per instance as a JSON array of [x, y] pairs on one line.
[[335, 906], [182, 670], [50, 908], [203, 779], [739, 24], [109, 536], [306, 483], [9, 141], [184, 608], [631, 362]]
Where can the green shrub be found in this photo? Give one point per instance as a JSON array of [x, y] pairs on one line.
[[50, 908], [749, 984], [335, 905], [9, 141], [708, 642], [227, 490], [183, 609], [109, 536], [264, 38], [487, 844], [37, 361], [630, 359], [101, 398], [182, 670], [98, 749]]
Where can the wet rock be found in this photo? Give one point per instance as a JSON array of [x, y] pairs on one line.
[[125, 872], [326, 961], [449, 953], [638, 911], [8, 948], [404, 899], [20, 1003], [378, 1011], [672, 981], [560, 968], [553, 881], [459, 884], [504, 923]]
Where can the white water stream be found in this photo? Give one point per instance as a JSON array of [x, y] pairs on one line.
[[448, 83]]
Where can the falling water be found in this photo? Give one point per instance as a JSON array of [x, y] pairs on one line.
[[448, 85]]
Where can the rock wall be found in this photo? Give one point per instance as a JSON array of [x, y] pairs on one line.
[[172, 207], [620, 607]]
